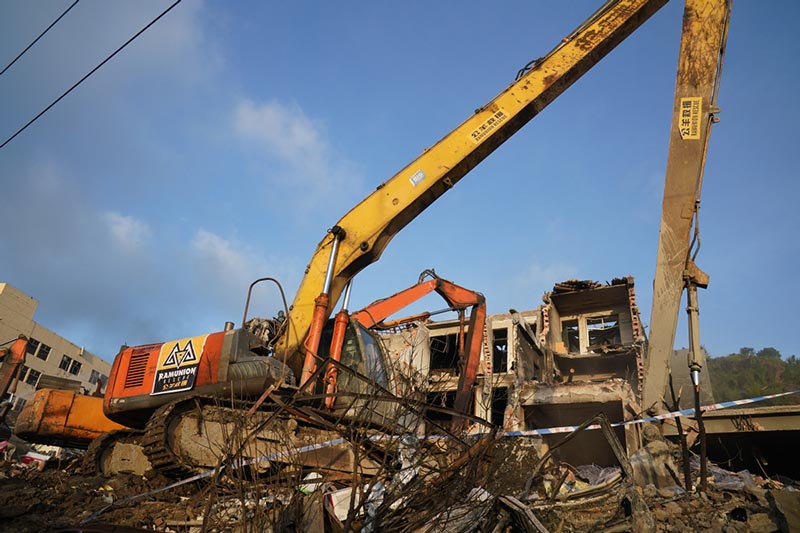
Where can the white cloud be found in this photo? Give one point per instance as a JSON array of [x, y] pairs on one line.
[[286, 131], [223, 258], [299, 143], [225, 268], [128, 233]]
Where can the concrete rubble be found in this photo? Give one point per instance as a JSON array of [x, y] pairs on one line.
[[489, 488]]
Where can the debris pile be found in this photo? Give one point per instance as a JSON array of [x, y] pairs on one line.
[[482, 482]]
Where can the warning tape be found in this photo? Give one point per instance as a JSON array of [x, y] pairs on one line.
[[673, 414], [525, 433]]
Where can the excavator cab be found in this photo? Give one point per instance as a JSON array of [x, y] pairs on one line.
[[363, 372]]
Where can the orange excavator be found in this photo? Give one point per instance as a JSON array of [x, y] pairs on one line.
[[193, 366], [354, 341], [12, 359], [63, 418], [154, 387]]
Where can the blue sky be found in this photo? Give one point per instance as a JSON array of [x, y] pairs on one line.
[[222, 144]]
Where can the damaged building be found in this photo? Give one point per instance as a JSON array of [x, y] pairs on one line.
[[592, 338], [577, 355]]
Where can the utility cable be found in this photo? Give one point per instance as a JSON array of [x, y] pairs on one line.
[[39, 37], [95, 69]]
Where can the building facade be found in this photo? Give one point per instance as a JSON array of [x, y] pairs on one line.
[[50, 358]]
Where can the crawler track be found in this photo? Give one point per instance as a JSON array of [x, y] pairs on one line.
[[156, 439]]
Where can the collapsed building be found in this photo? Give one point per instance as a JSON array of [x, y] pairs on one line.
[[579, 354]]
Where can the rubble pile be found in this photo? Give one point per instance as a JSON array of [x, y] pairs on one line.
[[494, 484]]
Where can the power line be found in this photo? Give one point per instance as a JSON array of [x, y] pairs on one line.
[[106, 60], [39, 37]]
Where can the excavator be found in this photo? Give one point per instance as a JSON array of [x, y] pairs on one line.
[[68, 419], [356, 351], [12, 359], [155, 388]]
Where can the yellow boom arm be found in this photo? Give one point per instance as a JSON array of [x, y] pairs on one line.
[[705, 29], [371, 224]]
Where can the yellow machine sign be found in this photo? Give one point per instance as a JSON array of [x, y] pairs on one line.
[[689, 117], [487, 126], [177, 364]]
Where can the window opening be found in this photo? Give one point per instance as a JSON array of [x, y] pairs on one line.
[[44, 351], [33, 344], [499, 404], [500, 350], [570, 333], [603, 331], [33, 377], [65, 362], [444, 352]]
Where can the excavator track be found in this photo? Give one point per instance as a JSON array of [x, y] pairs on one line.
[[116, 452], [159, 441], [194, 435], [156, 445]]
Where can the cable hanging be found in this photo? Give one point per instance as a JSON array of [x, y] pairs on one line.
[[39, 37], [95, 69]]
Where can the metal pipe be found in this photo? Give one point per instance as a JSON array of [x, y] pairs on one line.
[[318, 317], [346, 297], [698, 414], [338, 235], [695, 366]]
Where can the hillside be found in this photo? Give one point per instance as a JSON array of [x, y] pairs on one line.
[[749, 374]]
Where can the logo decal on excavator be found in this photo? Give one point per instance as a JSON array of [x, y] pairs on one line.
[[179, 355], [178, 363], [689, 118]]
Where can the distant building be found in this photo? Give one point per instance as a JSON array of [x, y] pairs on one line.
[[51, 359]]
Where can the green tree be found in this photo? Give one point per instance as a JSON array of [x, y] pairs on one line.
[[769, 352], [749, 374]]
